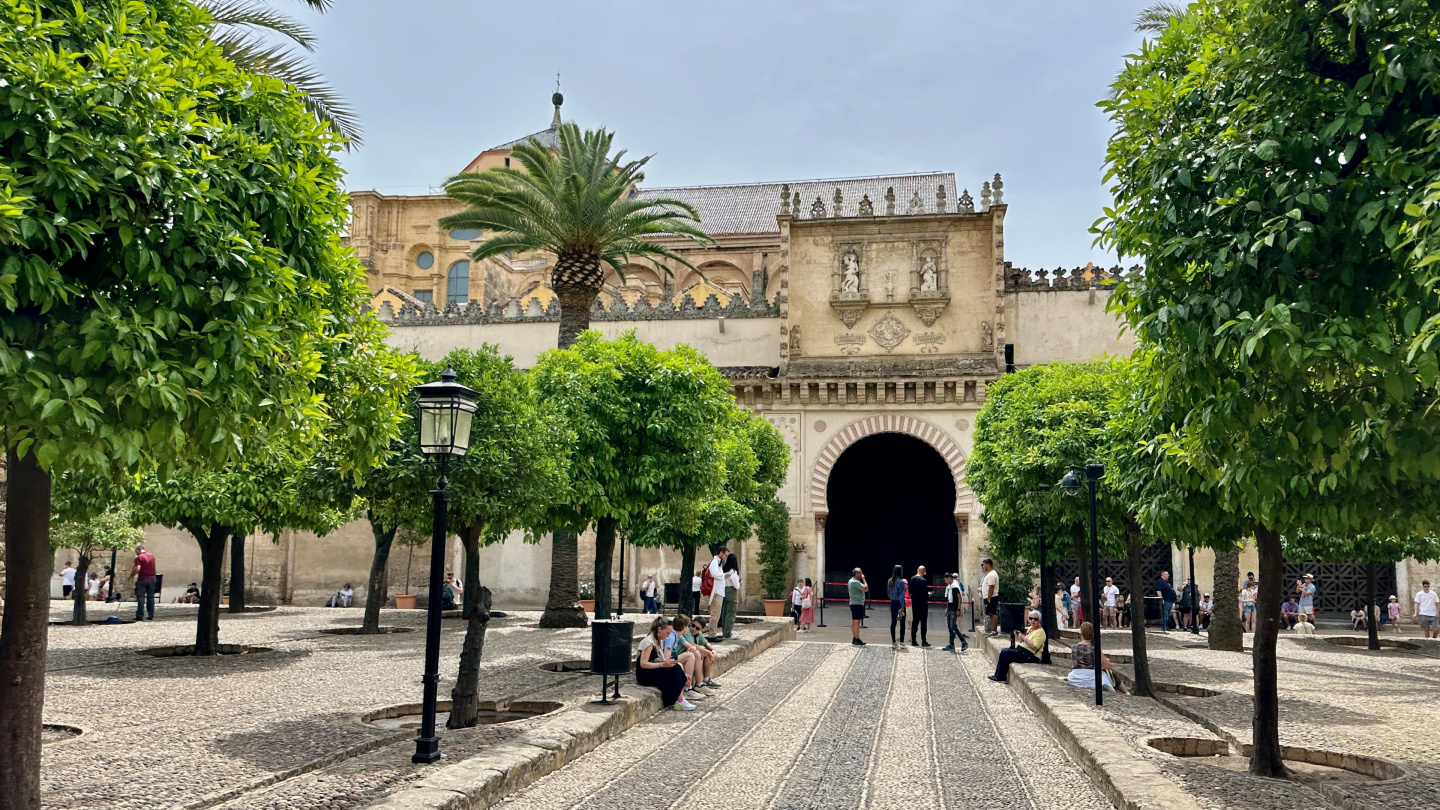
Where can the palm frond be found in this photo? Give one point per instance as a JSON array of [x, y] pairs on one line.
[[252, 14], [1154, 18], [249, 53]]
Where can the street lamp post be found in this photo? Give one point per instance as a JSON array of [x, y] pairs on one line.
[[446, 409], [1194, 596], [1071, 484]]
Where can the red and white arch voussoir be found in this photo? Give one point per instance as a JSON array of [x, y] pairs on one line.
[[889, 423]]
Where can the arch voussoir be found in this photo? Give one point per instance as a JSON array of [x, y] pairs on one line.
[[925, 431]]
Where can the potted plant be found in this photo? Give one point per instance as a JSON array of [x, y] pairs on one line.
[[410, 539], [587, 596], [772, 528]]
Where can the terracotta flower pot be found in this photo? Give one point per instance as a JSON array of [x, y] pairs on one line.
[[588, 605], [775, 607], [406, 601], [225, 600]]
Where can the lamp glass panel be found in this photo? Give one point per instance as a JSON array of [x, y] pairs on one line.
[[463, 418]]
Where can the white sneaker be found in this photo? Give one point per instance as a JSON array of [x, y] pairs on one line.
[[683, 705], [704, 690], [694, 694], [712, 683]]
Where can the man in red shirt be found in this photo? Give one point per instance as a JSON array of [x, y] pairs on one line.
[[144, 584]]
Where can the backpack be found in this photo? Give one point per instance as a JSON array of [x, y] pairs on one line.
[[707, 582]]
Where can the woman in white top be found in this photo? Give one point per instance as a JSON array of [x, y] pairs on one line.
[[1247, 606], [654, 668], [1061, 614]]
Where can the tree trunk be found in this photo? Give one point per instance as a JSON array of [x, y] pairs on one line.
[[1372, 631], [212, 562], [1226, 631], [562, 606], [604, 551], [24, 630], [1265, 727], [78, 594], [375, 590], [237, 573], [575, 303], [1140, 659], [1081, 542], [465, 696], [687, 572]]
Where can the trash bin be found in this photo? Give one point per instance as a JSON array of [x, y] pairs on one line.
[[1154, 606], [610, 654], [1012, 617], [672, 594]]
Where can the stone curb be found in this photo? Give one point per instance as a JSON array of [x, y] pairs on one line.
[[1127, 780], [481, 780]]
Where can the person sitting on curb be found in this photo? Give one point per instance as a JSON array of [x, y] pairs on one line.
[[1026, 651], [1082, 664], [1304, 627], [689, 657], [653, 668], [694, 636]]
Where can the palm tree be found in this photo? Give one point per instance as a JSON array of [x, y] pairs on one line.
[[1153, 18], [239, 29], [579, 203]]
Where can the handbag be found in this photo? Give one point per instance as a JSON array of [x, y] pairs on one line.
[[804, 603]]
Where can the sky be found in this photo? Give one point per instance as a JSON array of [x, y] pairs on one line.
[[743, 91]]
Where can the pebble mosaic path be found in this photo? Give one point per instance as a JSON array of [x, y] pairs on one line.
[[816, 726]]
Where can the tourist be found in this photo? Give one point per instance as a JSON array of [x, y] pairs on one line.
[[1290, 612], [1304, 627], [857, 588], [1247, 606], [1188, 599], [447, 596], [1109, 608], [954, 591], [990, 592], [1427, 611], [1166, 593], [694, 636], [647, 595], [690, 658], [807, 606], [920, 603], [1357, 619], [1062, 613], [1069, 606], [190, 597], [92, 586], [1082, 664], [1026, 651], [895, 588], [653, 668], [1249, 578], [732, 596], [695, 592], [1207, 607], [1122, 610], [1306, 590], [144, 584], [715, 578], [67, 579], [1075, 602], [795, 600], [347, 595], [1393, 610]]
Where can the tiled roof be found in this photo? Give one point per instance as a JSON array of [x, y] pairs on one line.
[[548, 138], [752, 208]]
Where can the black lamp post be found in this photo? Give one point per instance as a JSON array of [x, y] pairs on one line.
[[1047, 612], [1194, 596], [446, 409], [1071, 484]]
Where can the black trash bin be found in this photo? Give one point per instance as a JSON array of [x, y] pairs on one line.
[[1012, 617], [672, 595], [1154, 606], [610, 653]]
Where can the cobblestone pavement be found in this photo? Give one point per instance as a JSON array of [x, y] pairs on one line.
[[161, 733], [830, 727], [1332, 698]]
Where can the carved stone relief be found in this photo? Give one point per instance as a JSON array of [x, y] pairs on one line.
[[929, 312], [849, 344], [889, 332], [789, 426], [929, 342], [987, 337], [794, 341], [916, 206], [867, 208]]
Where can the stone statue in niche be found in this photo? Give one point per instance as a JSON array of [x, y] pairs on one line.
[[890, 286], [929, 276], [850, 281], [987, 337]]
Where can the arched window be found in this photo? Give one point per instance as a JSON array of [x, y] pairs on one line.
[[457, 288]]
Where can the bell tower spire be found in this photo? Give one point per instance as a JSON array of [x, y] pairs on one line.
[[557, 99]]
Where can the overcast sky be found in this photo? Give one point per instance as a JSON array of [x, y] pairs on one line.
[[743, 91]]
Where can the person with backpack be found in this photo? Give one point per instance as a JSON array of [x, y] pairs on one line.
[[712, 587], [731, 605]]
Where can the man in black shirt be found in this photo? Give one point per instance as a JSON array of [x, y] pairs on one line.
[[919, 606], [953, 591], [1166, 592]]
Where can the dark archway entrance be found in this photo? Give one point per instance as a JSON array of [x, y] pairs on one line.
[[892, 502]]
